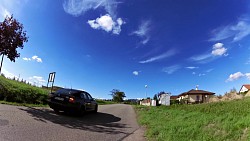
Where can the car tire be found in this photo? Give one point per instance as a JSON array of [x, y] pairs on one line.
[[56, 110]]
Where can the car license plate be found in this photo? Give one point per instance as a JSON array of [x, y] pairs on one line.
[[59, 98]]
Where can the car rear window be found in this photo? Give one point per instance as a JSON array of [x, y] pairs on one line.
[[68, 92]]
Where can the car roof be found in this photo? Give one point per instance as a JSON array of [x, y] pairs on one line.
[[68, 91]]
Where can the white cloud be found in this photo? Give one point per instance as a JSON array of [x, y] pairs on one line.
[[191, 67], [237, 31], [143, 31], [4, 12], [202, 74], [79, 7], [26, 59], [235, 76], [171, 69], [247, 75], [8, 74], [8, 7], [106, 23], [136, 73], [38, 80], [35, 58], [219, 49], [193, 73], [159, 57]]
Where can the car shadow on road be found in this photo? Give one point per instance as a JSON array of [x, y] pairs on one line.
[[98, 122]]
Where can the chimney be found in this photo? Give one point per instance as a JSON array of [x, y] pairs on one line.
[[196, 87]]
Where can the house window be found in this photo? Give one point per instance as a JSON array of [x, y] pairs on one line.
[[197, 98]]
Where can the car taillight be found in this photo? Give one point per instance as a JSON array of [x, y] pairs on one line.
[[71, 99]]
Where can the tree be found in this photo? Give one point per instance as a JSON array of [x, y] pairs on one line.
[[12, 37], [117, 95]]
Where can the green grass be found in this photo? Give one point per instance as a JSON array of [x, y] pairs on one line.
[[23, 104], [202, 122], [14, 91]]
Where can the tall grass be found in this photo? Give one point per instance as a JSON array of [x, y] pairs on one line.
[[202, 122], [14, 91]]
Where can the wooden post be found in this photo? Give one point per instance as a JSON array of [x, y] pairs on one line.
[[1, 63]]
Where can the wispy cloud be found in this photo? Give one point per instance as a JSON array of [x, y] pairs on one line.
[[106, 23], [4, 12], [136, 73], [171, 69], [79, 7], [209, 70], [159, 57], [35, 58], [237, 75], [248, 61], [143, 31], [38, 80], [192, 67], [202, 74], [203, 58], [218, 50], [235, 31]]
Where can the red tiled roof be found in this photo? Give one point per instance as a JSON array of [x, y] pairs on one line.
[[174, 97], [194, 92], [247, 86]]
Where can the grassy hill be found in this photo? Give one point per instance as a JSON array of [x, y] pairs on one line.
[[229, 120], [14, 91]]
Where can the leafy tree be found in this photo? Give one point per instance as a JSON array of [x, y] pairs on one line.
[[12, 37], [155, 97], [117, 95]]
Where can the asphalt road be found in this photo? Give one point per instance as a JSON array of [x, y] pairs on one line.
[[114, 122]]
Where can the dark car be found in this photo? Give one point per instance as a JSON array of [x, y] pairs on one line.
[[70, 100]]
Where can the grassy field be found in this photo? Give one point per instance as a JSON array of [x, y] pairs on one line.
[[202, 122], [14, 91]]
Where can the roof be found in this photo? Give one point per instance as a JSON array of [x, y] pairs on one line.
[[247, 86], [174, 97], [67, 91], [195, 92]]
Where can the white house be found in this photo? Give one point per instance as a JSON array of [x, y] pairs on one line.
[[164, 99], [245, 89]]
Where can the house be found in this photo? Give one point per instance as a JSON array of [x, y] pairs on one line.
[[245, 89], [174, 97], [196, 96], [145, 102], [164, 99]]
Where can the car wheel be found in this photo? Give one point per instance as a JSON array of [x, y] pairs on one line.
[[56, 110]]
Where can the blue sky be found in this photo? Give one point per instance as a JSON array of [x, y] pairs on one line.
[[100, 45]]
